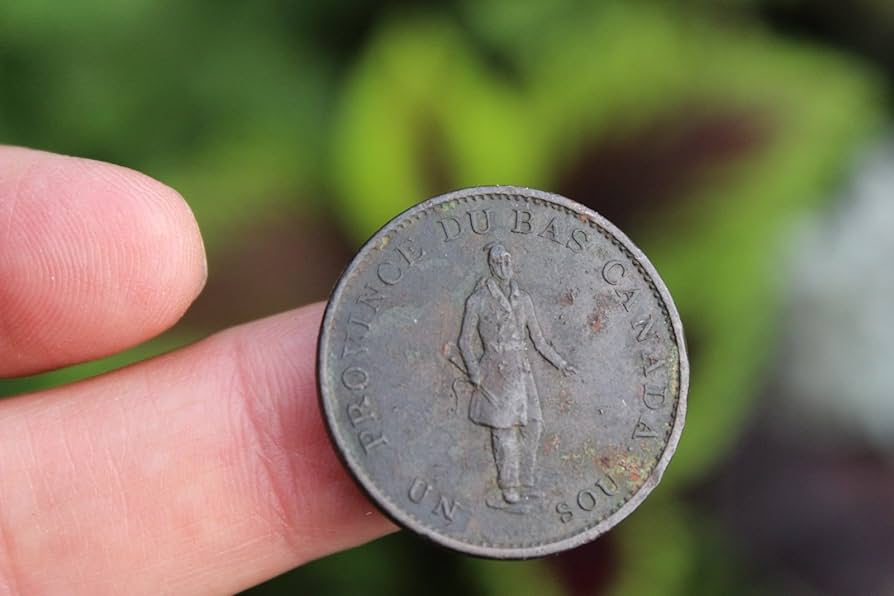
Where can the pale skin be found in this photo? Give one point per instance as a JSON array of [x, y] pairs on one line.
[[206, 470]]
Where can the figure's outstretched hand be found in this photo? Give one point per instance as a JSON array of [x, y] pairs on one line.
[[568, 370], [203, 470]]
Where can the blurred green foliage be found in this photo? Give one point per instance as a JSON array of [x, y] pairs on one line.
[[224, 101], [354, 111]]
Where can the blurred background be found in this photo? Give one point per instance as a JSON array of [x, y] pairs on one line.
[[746, 147]]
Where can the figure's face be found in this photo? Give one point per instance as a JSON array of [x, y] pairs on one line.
[[501, 266]]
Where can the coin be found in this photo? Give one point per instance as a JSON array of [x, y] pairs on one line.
[[503, 372]]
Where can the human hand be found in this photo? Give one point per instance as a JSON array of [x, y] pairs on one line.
[[475, 377], [568, 370], [203, 470]]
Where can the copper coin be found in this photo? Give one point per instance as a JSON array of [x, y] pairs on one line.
[[503, 372]]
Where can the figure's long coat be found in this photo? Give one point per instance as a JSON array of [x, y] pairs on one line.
[[507, 395]]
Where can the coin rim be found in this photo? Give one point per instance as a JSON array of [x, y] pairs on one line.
[[404, 519]]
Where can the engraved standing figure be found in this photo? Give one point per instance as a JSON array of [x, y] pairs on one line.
[[501, 316]]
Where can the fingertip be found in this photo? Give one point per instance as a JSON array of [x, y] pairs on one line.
[[94, 258]]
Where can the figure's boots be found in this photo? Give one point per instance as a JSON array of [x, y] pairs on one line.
[[511, 495]]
